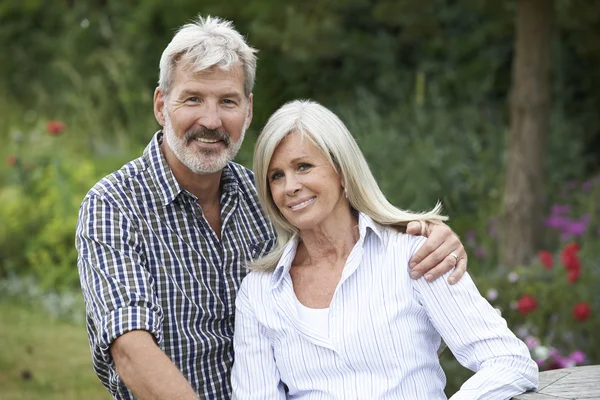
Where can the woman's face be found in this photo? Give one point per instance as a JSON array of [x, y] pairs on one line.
[[304, 185]]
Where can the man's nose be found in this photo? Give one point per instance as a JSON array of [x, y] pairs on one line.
[[210, 118]]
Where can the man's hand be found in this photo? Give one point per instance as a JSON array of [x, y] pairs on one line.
[[435, 257]]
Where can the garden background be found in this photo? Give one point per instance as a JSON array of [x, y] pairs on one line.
[[424, 85]]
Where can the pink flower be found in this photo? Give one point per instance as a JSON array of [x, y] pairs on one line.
[[577, 356]]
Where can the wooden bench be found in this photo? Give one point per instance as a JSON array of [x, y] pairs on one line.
[[568, 383]]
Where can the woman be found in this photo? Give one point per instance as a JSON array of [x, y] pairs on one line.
[[332, 313]]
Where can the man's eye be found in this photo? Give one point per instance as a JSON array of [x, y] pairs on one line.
[[193, 99], [228, 102]]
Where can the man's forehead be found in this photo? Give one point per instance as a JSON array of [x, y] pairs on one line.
[[213, 79], [235, 71]]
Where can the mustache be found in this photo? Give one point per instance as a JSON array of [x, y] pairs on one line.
[[205, 133]]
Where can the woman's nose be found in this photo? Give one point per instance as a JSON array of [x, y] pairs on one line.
[[292, 185]]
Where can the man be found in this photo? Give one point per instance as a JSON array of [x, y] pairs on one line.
[[163, 241]]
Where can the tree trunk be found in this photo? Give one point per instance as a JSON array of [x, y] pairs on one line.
[[529, 120]]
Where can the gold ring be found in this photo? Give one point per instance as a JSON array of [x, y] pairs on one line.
[[453, 254]]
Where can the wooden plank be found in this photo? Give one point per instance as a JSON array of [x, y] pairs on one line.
[[578, 383]]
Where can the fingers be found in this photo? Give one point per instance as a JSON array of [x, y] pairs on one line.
[[438, 269], [440, 243], [434, 258], [459, 271], [415, 228]]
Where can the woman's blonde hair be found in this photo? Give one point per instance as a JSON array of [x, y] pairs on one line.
[[329, 134]]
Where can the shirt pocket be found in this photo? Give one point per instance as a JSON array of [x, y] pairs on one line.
[[260, 248]]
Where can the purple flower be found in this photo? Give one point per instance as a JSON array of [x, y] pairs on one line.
[[556, 222], [587, 185], [576, 228], [563, 362], [540, 362], [532, 342], [577, 356]]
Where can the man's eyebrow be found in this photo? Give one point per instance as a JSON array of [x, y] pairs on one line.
[[236, 95], [188, 92]]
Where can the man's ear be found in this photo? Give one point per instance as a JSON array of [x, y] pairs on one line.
[[159, 106], [250, 109]]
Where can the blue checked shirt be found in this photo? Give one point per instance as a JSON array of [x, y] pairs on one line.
[[149, 260]]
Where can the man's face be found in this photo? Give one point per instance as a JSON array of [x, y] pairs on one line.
[[205, 117]]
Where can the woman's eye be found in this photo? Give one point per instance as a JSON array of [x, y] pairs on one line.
[[276, 176], [304, 167]]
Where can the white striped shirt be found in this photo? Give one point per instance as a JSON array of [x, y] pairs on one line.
[[384, 332]]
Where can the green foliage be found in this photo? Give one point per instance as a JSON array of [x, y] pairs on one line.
[[40, 200], [60, 55]]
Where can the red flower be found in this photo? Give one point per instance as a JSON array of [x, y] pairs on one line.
[[55, 128], [11, 160], [574, 275], [527, 304], [546, 259], [569, 257], [581, 311]]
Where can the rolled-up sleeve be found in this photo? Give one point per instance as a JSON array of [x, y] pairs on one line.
[[255, 374], [117, 288], [479, 339]]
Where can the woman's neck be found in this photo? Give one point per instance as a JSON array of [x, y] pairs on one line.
[[330, 243]]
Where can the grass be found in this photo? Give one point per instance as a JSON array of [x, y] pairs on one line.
[[43, 358]]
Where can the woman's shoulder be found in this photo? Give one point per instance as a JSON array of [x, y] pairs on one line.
[[393, 237], [257, 281]]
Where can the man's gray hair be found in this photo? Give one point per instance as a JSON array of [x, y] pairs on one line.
[[205, 43]]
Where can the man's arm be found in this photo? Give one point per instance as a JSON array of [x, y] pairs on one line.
[[124, 316], [435, 257], [146, 370]]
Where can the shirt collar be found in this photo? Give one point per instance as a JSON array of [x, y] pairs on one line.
[[365, 225], [165, 181], [163, 177]]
